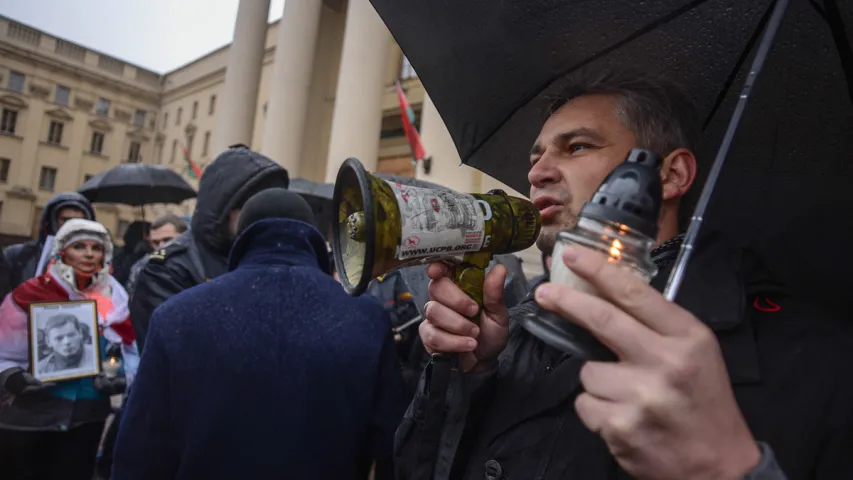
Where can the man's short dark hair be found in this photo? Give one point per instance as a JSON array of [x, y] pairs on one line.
[[661, 114], [170, 219], [61, 320]]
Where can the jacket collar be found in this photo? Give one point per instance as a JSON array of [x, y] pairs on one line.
[[279, 241]]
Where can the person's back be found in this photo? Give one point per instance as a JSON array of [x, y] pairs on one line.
[[273, 371]]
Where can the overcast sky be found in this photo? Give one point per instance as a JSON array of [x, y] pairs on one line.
[[156, 34]]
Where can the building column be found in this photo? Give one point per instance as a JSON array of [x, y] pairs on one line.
[[357, 119], [287, 109], [447, 168], [242, 76]]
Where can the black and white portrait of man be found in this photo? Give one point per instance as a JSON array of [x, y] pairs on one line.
[[64, 344]]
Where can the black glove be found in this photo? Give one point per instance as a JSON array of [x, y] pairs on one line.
[[110, 386], [19, 382]]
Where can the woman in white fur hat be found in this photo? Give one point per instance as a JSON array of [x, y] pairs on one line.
[[53, 430]]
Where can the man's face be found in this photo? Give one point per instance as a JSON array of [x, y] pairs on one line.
[[163, 235], [67, 213], [579, 145], [66, 340]]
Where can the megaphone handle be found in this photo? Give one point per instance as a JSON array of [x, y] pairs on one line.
[[470, 275]]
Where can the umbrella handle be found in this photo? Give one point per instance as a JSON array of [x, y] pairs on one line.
[[678, 270]]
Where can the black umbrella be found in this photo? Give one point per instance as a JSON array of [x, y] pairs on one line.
[[137, 184], [319, 197], [493, 68]]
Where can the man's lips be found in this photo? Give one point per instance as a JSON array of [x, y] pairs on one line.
[[547, 206]]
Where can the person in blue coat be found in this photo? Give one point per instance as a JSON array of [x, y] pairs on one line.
[[268, 371]]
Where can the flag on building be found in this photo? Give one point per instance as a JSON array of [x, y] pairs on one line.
[[193, 171], [412, 135]]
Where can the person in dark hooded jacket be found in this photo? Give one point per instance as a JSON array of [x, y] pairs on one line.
[[135, 247], [201, 253], [23, 258], [283, 376]]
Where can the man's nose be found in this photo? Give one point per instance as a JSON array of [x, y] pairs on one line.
[[543, 172]]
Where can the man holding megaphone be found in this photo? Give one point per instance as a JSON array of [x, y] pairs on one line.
[[700, 388]]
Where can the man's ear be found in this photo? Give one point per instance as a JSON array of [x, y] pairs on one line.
[[677, 173]]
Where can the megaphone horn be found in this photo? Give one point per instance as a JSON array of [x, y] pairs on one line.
[[381, 226]]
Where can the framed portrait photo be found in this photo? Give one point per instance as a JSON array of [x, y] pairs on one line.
[[64, 340]]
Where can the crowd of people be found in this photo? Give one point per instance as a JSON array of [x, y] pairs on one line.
[[242, 356]]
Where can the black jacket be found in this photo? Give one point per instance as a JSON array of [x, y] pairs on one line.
[[135, 247], [201, 253], [23, 258], [790, 368]]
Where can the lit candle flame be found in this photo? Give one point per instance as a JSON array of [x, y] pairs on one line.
[[112, 361], [616, 249]]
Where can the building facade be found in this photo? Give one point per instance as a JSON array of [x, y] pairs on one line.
[[67, 113], [309, 91]]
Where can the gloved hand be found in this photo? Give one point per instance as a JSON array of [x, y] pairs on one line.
[[20, 382], [110, 386]]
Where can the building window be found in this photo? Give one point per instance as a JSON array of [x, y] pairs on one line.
[[54, 135], [195, 109], [62, 96], [206, 145], [5, 163], [174, 149], [47, 179], [178, 117], [139, 118], [103, 107], [165, 120], [190, 138], [406, 70], [16, 81], [133, 155], [97, 145], [212, 107], [8, 122]]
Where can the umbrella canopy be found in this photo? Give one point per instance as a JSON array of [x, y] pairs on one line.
[[137, 184], [492, 70], [319, 197]]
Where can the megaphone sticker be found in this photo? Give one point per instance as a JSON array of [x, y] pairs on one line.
[[438, 222]]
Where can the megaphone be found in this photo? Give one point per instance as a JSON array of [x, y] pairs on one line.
[[381, 226]]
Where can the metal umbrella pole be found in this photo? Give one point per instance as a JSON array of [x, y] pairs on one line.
[[677, 275]]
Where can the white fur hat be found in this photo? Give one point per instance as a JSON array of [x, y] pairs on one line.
[[77, 229]]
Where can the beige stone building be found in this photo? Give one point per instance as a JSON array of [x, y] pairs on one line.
[[68, 112], [309, 90]]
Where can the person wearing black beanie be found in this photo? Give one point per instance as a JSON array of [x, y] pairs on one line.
[[275, 203], [277, 330]]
